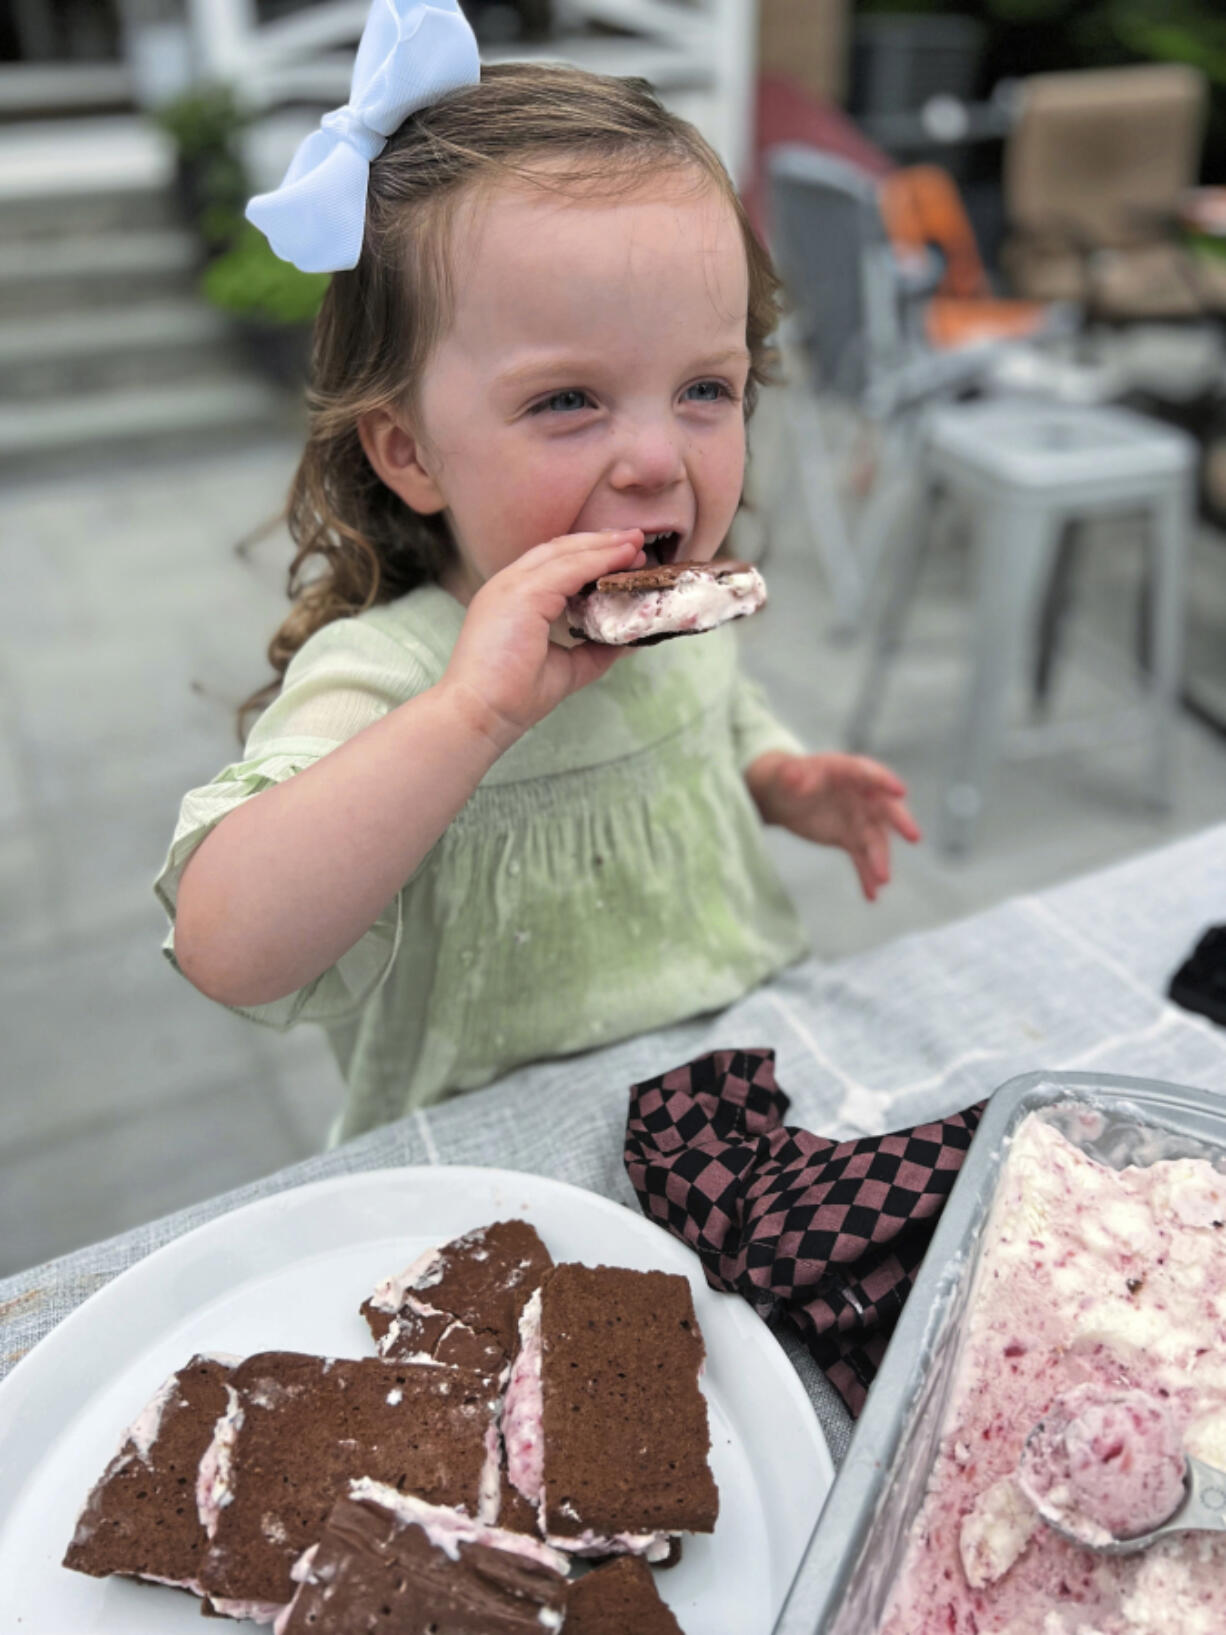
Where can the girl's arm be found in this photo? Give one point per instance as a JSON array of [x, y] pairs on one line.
[[756, 730], [290, 880]]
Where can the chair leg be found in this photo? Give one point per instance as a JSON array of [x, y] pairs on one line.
[[1013, 549], [1053, 614], [769, 470], [1145, 605], [888, 635], [1166, 628], [897, 495], [815, 467]]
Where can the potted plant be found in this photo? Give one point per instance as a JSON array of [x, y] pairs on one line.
[[272, 303], [205, 124]]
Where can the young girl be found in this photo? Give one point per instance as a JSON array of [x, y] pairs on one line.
[[457, 839]]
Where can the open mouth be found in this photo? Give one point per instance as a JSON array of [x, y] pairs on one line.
[[660, 549]]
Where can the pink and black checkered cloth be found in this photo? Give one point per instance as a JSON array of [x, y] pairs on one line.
[[828, 1234]]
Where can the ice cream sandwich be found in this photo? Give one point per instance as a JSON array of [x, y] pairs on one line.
[[296, 1431], [386, 1560], [140, 1517], [618, 1597], [604, 1424], [652, 604], [460, 1303]]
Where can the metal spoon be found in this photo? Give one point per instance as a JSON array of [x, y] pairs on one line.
[[1203, 1509]]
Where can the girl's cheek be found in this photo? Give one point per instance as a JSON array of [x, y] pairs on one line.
[[532, 517], [718, 467], [548, 492]]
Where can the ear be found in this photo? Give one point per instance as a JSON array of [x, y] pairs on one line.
[[397, 459]]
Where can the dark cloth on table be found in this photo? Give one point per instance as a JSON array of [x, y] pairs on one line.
[[1200, 982], [827, 1235]]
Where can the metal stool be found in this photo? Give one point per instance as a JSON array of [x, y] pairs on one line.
[[1024, 470]]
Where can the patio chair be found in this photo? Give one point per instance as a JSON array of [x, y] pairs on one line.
[[1096, 171], [922, 208], [1022, 472], [858, 371]]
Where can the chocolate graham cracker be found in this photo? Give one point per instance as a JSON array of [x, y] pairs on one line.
[[300, 1428], [140, 1518], [619, 1598], [515, 1513], [386, 1561], [663, 576], [460, 1304], [625, 1431]]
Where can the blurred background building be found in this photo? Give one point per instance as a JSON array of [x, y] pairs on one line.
[[1008, 206]]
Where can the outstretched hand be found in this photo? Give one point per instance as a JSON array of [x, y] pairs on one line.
[[836, 800]]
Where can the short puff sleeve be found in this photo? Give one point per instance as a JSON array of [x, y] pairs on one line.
[[344, 678], [755, 730]]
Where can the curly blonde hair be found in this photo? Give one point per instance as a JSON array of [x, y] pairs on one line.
[[357, 543]]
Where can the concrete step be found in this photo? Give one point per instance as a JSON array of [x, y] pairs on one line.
[[96, 210], [105, 347], [157, 342], [39, 276], [38, 436], [83, 175], [58, 88]]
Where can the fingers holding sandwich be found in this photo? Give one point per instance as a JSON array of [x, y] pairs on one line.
[[505, 657]]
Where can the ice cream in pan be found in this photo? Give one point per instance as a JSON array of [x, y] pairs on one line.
[[1107, 1469], [1104, 1464], [1099, 1312]]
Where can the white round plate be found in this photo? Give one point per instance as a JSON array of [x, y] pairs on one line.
[[287, 1273]]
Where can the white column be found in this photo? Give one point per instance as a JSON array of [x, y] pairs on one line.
[[222, 33], [733, 46]]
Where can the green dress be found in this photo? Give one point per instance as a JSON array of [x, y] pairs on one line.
[[607, 877]]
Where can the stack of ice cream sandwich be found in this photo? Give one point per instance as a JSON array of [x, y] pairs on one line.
[[518, 1418]]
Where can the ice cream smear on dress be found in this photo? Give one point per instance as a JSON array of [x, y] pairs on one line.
[[1098, 1310], [674, 599]]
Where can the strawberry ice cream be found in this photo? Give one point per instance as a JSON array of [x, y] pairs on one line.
[[1101, 1289], [1104, 1465], [650, 604]]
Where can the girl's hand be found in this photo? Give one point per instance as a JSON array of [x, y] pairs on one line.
[[505, 671], [837, 800]]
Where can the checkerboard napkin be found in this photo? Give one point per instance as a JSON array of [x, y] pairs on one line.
[[826, 1234]]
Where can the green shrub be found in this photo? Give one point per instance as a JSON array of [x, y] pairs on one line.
[[251, 281], [205, 125], [205, 120]]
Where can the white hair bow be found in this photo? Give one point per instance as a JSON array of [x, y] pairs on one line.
[[410, 54]]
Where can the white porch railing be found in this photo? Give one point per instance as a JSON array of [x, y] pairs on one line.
[[701, 55]]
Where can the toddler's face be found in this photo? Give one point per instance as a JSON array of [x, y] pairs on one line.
[[593, 374]]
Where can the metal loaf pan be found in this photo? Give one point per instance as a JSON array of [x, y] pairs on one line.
[[853, 1558]]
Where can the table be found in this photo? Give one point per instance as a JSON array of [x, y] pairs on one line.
[[1072, 977]]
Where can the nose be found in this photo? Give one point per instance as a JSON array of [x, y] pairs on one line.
[[649, 456]]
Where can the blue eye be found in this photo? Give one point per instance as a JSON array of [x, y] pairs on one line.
[[714, 387], [562, 402]]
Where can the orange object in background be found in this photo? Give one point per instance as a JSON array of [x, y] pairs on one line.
[[922, 209]]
